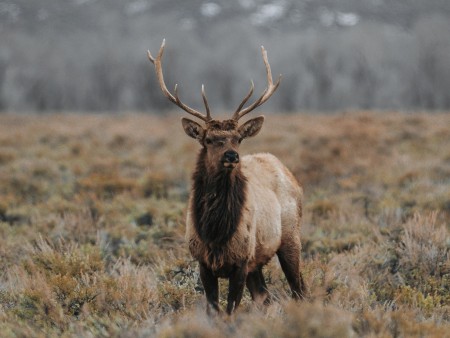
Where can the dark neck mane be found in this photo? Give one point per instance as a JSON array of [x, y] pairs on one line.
[[218, 202]]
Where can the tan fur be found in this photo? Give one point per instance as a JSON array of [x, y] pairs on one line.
[[271, 214]]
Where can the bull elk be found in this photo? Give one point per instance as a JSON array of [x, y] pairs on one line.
[[242, 210]]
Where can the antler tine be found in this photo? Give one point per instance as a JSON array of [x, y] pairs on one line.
[[175, 99], [267, 93], [205, 101], [249, 94]]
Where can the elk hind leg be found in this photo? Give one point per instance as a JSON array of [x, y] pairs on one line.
[[289, 257], [257, 287]]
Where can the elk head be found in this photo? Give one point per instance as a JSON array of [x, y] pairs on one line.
[[220, 139]]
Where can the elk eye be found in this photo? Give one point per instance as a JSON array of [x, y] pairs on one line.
[[208, 141], [240, 140], [220, 143]]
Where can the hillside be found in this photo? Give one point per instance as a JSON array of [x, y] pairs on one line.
[[89, 55], [282, 15]]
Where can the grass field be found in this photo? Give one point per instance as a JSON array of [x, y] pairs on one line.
[[92, 214]]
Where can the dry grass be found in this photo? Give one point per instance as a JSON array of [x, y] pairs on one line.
[[92, 225]]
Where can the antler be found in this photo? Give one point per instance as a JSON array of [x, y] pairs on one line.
[[174, 98], [267, 93]]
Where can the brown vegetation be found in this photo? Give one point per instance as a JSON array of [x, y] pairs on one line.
[[92, 213]]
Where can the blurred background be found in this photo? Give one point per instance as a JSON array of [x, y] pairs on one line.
[[90, 55]]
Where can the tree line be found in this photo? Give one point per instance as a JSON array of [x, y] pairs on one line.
[[371, 65]]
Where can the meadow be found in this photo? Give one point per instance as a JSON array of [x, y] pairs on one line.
[[92, 212]]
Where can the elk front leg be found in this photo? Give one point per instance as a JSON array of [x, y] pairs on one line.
[[211, 286], [236, 287]]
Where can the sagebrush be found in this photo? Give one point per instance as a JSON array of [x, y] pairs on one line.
[[92, 212]]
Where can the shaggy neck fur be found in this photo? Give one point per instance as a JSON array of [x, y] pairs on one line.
[[219, 198]]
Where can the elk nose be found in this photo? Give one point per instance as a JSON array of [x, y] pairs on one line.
[[231, 156]]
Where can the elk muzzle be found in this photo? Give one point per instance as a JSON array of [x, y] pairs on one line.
[[230, 159]]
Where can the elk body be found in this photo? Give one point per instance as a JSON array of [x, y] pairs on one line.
[[242, 211]]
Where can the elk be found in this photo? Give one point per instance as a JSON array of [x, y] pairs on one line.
[[242, 210]]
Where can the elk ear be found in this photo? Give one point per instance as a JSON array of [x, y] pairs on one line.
[[251, 127], [193, 129]]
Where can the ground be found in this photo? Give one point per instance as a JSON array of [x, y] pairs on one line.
[[92, 214]]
